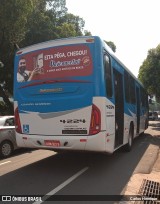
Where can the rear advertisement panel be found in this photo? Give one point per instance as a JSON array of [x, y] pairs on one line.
[[55, 62]]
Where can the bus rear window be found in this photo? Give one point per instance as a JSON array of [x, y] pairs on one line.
[[55, 62]]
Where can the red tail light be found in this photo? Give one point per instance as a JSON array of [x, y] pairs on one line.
[[17, 121], [95, 125]]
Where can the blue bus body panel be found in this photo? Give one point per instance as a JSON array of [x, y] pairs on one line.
[[64, 93], [61, 99], [69, 96]]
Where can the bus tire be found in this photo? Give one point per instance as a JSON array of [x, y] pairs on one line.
[[128, 146]]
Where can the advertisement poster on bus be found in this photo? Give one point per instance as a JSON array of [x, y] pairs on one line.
[[55, 62]]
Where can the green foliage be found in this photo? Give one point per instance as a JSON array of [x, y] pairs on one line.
[[77, 22], [4, 109], [26, 22], [66, 30], [51, 23], [149, 72], [87, 33], [111, 45], [13, 19], [154, 106]]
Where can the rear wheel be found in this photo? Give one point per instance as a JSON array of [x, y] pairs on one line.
[[6, 149], [128, 146]]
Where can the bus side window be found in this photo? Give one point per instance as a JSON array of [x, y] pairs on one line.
[[108, 76], [129, 88], [143, 98]]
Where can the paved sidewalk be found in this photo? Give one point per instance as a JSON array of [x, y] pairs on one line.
[[143, 174]]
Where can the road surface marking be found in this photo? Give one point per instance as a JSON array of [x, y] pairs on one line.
[[65, 183], [4, 163]]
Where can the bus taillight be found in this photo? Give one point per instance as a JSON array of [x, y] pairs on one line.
[[17, 121], [95, 124]]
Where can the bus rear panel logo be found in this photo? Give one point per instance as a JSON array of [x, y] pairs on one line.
[[73, 121]]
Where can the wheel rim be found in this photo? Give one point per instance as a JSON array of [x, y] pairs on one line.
[[6, 149]]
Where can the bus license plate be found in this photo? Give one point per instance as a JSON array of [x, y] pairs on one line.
[[52, 143]]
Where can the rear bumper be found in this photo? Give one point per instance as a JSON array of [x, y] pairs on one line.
[[84, 143]]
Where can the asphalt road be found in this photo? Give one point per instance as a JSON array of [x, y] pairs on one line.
[[43, 172]]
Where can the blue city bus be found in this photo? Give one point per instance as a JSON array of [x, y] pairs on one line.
[[75, 94]]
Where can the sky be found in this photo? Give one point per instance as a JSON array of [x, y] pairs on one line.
[[132, 25]]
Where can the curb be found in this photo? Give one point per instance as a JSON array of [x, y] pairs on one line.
[[151, 173]]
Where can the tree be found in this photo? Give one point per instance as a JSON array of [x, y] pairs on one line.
[[77, 22], [149, 72], [87, 33], [13, 19], [28, 22], [50, 21], [111, 45], [4, 95], [66, 30]]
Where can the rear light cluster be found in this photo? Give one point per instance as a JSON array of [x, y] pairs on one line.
[[17, 121], [95, 125]]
